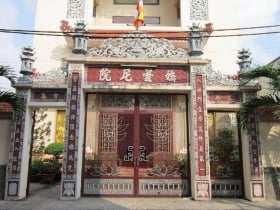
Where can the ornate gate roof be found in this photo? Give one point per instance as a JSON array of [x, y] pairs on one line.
[[138, 46]]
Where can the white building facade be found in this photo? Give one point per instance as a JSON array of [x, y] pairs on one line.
[[146, 114]]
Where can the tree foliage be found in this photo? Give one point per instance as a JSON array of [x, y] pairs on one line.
[[10, 97], [271, 99], [13, 99], [42, 131], [224, 143], [9, 73], [55, 149]]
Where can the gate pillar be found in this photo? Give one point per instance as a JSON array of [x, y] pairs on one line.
[[199, 141], [17, 168], [252, 162], [74, 135]]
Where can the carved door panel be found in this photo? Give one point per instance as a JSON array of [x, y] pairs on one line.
[[125, 140], [135, 153]]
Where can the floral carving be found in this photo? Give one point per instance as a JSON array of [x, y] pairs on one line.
[[138, 46], [99, 168], [199, 10], [69, 189], [75, 9], [166, 164]]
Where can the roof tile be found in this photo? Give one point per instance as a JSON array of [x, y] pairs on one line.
[[6, 107]]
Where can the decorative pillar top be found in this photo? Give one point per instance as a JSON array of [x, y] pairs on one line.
[[199, 10], [27, 60], [195, 41], [79, 38], [244, 60], [75, 9]]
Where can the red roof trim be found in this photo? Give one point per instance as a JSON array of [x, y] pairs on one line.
[[6, 108]]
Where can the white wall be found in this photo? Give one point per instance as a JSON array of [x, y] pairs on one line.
[[270, 143], [5, 135], [49, 49], [166, 11], [223, 51]]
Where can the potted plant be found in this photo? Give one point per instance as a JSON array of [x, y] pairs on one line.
[[49, 171], [55, 149]]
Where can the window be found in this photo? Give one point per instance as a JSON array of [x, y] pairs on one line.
[[152, 2], [130, 19], [224, 148]]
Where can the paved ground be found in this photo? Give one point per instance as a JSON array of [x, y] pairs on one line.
[[44, 197]]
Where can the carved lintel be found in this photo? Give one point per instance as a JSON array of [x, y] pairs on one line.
[[76, 67]]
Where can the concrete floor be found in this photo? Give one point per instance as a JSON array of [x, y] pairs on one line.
[[46, 197]]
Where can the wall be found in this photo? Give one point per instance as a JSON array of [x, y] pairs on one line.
[[4, 151], [49, 49], [265, 86], [165, 10], [270, 144], [222, 51]]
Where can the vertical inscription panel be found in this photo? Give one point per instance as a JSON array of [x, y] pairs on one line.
[[200, 139], [15, 150], [71, 136], [256, 168], [254, 147], [200, 127]]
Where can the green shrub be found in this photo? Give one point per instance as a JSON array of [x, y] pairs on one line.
[[37, 165], [224, 144], [51, 167], [55, 149]]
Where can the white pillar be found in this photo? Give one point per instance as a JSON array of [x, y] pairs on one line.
[[185, 14], [74, 135], [252, 160], [199, 141], [19, 152], [89, 5]]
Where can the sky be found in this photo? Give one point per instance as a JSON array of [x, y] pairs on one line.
[[19, 14], [15, 14], [264, 48]]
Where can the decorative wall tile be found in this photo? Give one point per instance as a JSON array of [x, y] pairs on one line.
[[257, 189], [203, 190], [75, 9], [199, 10]]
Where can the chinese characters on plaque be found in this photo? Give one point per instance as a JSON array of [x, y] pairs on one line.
[[143, 75]]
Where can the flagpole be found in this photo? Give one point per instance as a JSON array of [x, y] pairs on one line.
[[139, 16]]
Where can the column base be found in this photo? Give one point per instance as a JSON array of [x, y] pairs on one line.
[[68, 190], [257, 191], [12, 192], [202, 190]]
